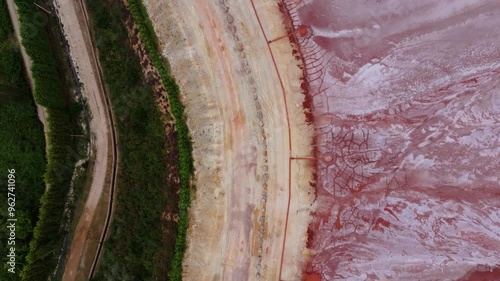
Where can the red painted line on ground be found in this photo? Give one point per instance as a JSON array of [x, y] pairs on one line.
[[281, 37], [289, 133], [305, 158]]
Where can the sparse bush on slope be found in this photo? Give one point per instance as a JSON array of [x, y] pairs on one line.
[[185, 148]]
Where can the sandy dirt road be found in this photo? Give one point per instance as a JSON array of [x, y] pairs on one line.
[[243, 137], [27, 60], [84, 245]]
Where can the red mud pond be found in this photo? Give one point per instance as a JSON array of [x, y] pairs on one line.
[[405, 98]]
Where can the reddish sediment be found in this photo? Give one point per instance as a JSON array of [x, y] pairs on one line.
[[405, 99], [293, 33], [312, 277], [482, 273]]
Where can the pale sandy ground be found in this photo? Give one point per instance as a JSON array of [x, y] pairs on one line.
[[27, 60], [82, 250], [197, 39]]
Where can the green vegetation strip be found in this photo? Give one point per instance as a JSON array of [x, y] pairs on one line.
[[148, 36], [44, 70], [134, 244], [45, 246], [22, 148]]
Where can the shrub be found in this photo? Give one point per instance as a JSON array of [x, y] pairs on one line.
[[184, 142]]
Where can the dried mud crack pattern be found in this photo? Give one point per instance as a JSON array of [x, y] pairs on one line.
[[316, 59], [402, 100]]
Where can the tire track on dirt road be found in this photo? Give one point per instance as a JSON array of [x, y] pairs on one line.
[[289, 134]]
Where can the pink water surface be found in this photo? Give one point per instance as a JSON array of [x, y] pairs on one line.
[[406, 105]]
